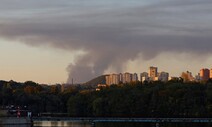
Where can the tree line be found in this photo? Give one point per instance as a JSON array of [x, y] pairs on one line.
[[37, 98], [157, 99], [136, 99]]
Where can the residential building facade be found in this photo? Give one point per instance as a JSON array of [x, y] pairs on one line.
[[204, 74]]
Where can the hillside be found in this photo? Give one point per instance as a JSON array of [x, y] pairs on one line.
[[98, 80]]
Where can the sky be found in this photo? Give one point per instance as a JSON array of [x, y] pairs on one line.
[[51, 41]]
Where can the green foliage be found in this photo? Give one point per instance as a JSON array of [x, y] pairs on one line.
[[154, 99], [173, 99], [78, 105]]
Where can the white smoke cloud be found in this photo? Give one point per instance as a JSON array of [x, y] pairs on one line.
[[111, 33]]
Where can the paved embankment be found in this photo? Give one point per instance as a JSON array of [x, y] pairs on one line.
[[141, 120], [14, 121]]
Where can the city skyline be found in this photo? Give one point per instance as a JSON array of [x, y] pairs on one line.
[[54, 42], [153, 74]]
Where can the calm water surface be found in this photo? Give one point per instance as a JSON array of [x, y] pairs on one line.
[[61, 124], [80, 124]]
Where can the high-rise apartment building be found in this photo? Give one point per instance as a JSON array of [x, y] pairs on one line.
[[134, 77], [144, 74], [211, 73], [163, 76], [153, 72], [124, 78], [144, 77], [115, 78], [121, 77], [204, 74], [107, 78], [112, 79], [127, 77], [187, 76]]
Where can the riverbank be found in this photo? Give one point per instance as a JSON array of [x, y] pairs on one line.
[[15, 121], [117, 119]]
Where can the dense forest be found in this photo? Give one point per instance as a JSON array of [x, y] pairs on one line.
[[37, 98], [155, 99]]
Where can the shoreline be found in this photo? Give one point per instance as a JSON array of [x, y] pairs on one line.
[[15, 121], [130, 119]]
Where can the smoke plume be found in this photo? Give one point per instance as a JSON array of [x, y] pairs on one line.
[[110, 32]]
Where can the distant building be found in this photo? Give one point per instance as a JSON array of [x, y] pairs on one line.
[[155, 79], [115, 79], [127, 77], [190, 76], [197, 77], [204, 74], [62, 87], [100, 86], [134, 77], [187, 76], [107, 78], [211, 73], [121, 77], [144, 77], [163, 76], [153, 72], [112, 79]]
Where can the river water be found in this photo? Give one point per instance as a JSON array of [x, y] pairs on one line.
[[80, 124], [61, 124]]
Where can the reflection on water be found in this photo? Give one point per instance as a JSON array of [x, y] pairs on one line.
[[78, 124], [61, 124], [81, 124], [153, 125]]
